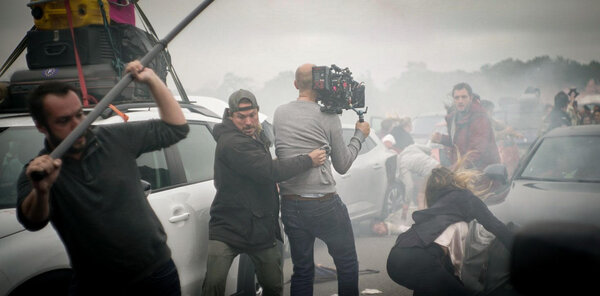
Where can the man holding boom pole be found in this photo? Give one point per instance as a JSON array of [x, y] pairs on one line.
[[93, 195]]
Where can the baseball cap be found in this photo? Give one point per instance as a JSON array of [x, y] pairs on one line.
[[237, 96]]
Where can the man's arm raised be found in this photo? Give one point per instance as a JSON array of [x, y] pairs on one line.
[[169, 109]]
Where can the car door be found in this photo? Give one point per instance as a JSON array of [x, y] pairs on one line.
[[183, 190], [362, 187]]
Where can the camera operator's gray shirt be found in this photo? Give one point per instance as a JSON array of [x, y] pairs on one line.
[[300, 127]]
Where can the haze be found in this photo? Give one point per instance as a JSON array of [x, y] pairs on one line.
[[258, 40]]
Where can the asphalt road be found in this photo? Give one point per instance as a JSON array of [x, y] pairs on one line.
[[372, 256]]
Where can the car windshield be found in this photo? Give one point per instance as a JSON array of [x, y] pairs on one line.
[[17, 146], [566, 158]]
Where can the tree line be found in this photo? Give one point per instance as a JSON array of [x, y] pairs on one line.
[[418, 89]]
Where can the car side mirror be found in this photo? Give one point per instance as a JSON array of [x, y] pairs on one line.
[[556, 258], [147, 187], [497, 172]]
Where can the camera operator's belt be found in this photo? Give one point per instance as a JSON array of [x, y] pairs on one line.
[[300, 197]]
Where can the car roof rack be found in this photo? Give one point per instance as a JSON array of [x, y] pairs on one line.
[[127, 106]]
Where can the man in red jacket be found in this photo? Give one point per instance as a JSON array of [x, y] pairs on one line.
[[469, 130]]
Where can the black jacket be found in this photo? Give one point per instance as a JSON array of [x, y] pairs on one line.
[[245, 211], [98, 206], [455, 205]]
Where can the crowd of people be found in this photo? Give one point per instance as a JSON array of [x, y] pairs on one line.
[[566, 110]]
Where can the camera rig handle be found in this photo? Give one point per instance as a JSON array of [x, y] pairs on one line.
[[361, 113]]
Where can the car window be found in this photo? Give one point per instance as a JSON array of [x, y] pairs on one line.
[[18, 145], [197, 152], [565, 159], [153, 168], [367, 145]]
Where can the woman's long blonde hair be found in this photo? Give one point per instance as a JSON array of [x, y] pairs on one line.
[[459, 177]]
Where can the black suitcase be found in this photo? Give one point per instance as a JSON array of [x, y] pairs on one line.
[[54, 48], [99, 80]]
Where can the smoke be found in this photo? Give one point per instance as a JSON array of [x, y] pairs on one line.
[[418, 90]]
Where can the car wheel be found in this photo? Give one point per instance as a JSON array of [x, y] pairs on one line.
[[55, 282], [393, 200]]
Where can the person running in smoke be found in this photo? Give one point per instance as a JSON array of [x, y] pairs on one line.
[[469, 129], [434, 246]]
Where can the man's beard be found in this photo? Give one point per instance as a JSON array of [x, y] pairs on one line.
[[55, 141]]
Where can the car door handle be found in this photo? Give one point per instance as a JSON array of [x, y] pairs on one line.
[[377, 166], [179, 218]]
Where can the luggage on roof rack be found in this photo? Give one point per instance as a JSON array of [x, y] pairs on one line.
[[54, 48], [100, 79], [103, 52]]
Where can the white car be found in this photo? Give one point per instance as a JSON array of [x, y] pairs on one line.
[[182, 190], [368, 188]]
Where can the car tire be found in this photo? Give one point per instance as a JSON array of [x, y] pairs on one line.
[[55, 282], [393, 200]]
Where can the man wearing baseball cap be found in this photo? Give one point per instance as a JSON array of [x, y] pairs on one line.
[[245, 211]]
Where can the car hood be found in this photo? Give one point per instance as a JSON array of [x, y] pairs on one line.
[[534, 201], [9, 223]]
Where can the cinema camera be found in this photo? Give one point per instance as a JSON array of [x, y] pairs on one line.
[[337, 90]]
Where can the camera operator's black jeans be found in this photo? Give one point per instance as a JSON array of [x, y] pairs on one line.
[[327, 220]]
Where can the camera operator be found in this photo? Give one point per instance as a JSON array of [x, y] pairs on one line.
[[310, 206]]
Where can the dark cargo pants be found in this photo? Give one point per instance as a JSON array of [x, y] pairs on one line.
[[268, 264]]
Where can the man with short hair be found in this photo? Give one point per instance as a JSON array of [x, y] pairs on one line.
[[469, 130], [245, 211], [93, 195], [310, 206]]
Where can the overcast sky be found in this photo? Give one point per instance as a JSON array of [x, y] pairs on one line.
[[261, 38]]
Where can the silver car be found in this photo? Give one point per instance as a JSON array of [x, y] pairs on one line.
[[557, 181]]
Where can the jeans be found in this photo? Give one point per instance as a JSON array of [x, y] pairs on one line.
[[268, 264], [327, 220], [162, 282]]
